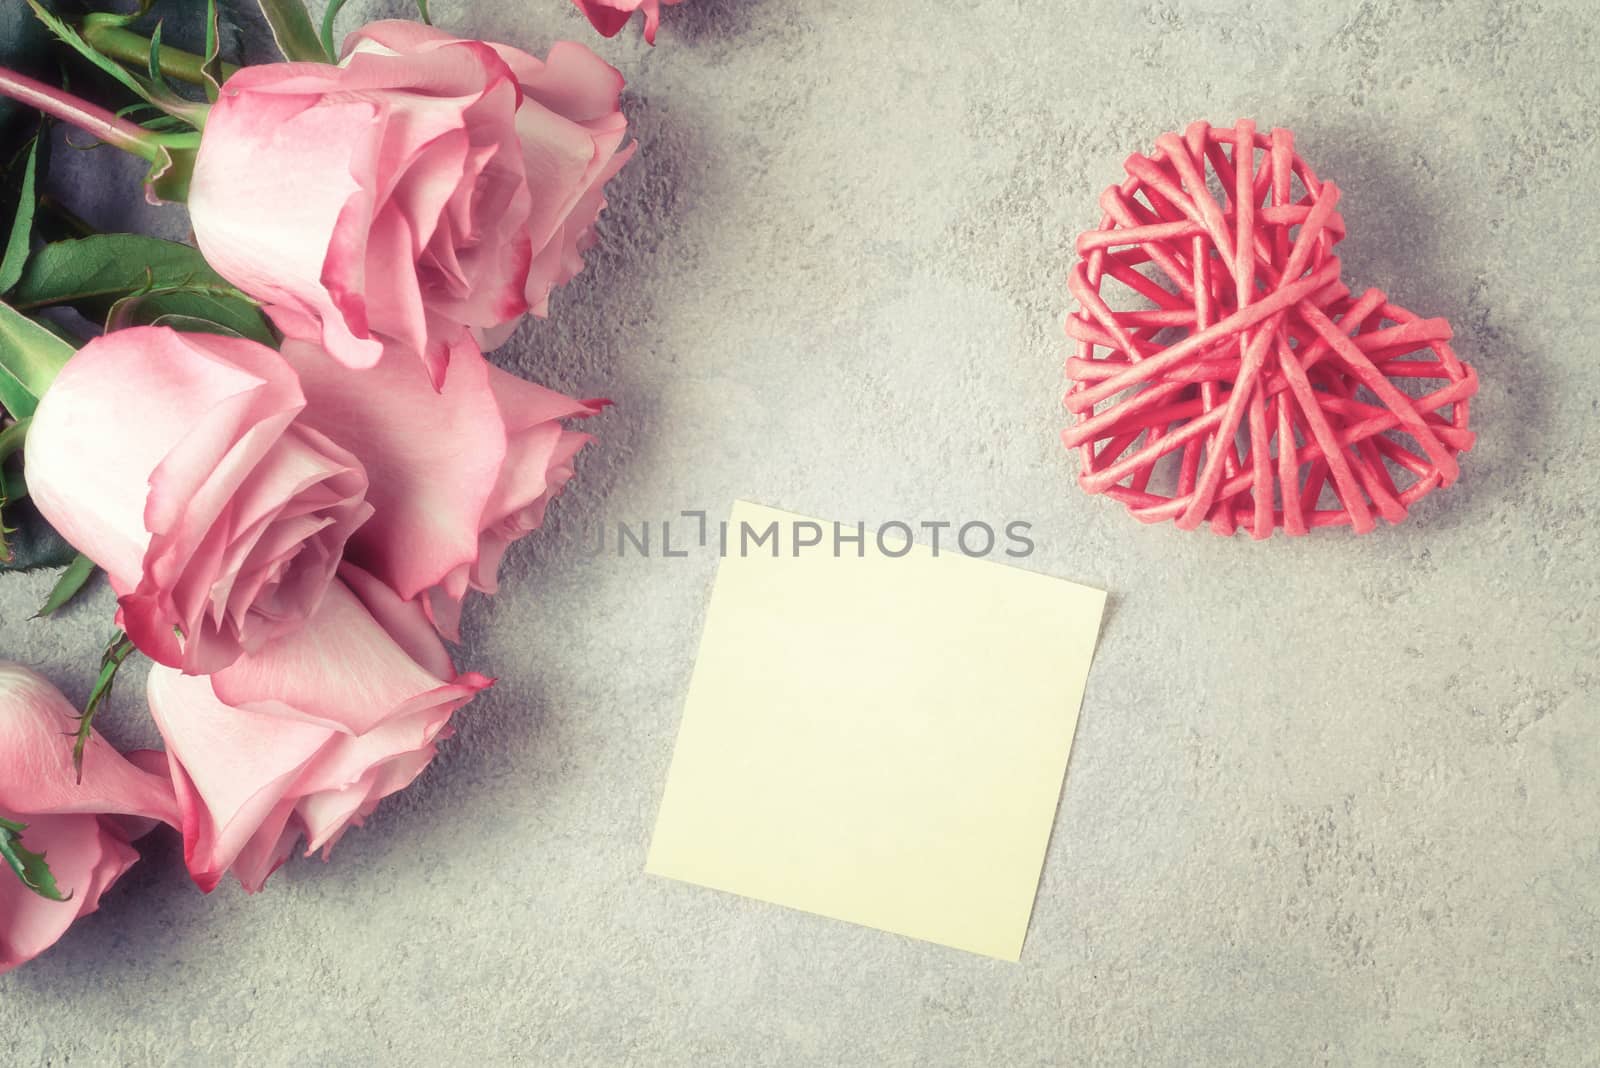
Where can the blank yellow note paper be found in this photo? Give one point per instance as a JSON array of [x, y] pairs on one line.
[[878, 739]]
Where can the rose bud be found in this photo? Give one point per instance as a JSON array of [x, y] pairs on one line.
[[448, 503], [426, 188], [174, 462], [82, 829], [304, 738], [609, 16]]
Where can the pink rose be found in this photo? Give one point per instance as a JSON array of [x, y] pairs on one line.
[[609, 16], [83, 829], [425, 189], [304, 738], [449, 502], [174, 461]]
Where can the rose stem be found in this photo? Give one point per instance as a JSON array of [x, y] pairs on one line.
[[125, 46], [90, 118]]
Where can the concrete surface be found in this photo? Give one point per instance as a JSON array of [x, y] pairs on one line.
[[1333, 800]]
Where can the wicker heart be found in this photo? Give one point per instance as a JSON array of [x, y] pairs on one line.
[[1225, 374]]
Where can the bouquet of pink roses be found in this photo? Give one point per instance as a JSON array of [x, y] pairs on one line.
[[283, 445]]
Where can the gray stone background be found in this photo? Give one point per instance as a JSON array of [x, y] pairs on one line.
[[1333, 800]]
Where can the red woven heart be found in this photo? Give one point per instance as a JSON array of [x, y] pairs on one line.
[[1225, 373]]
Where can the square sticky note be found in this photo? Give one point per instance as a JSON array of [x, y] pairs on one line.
[[877, 738]]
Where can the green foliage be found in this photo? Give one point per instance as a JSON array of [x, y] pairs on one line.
[[328, 15], [211, 71], [292, 30], [30, 356], [152, 66], [136, 279], [71, 582], [171, 155], [120, 279], [172, 168], [119, 650], [16, 247], [154, 91], [112, 36], [30, 867]]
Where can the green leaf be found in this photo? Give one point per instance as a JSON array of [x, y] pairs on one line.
[[190, 324], [152, 67], [72, 580], [120, 649], [167, 180], [212, 70], [22, 226], [30, 356], [328, 15], [422, 12], [158, 278], [196, 311], [292, 30], [162, 123], [30, 867]]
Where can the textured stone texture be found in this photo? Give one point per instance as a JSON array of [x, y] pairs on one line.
[[1333, 800]]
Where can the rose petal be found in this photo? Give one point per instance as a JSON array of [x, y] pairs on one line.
[[89, 464], [82, 828], [396, 36], [608, 16], [36, 772], [428, 490], [341, 671], [85, 860], [404, 621], [231, 767], [572, 81], [270, 236], [303, 737]]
